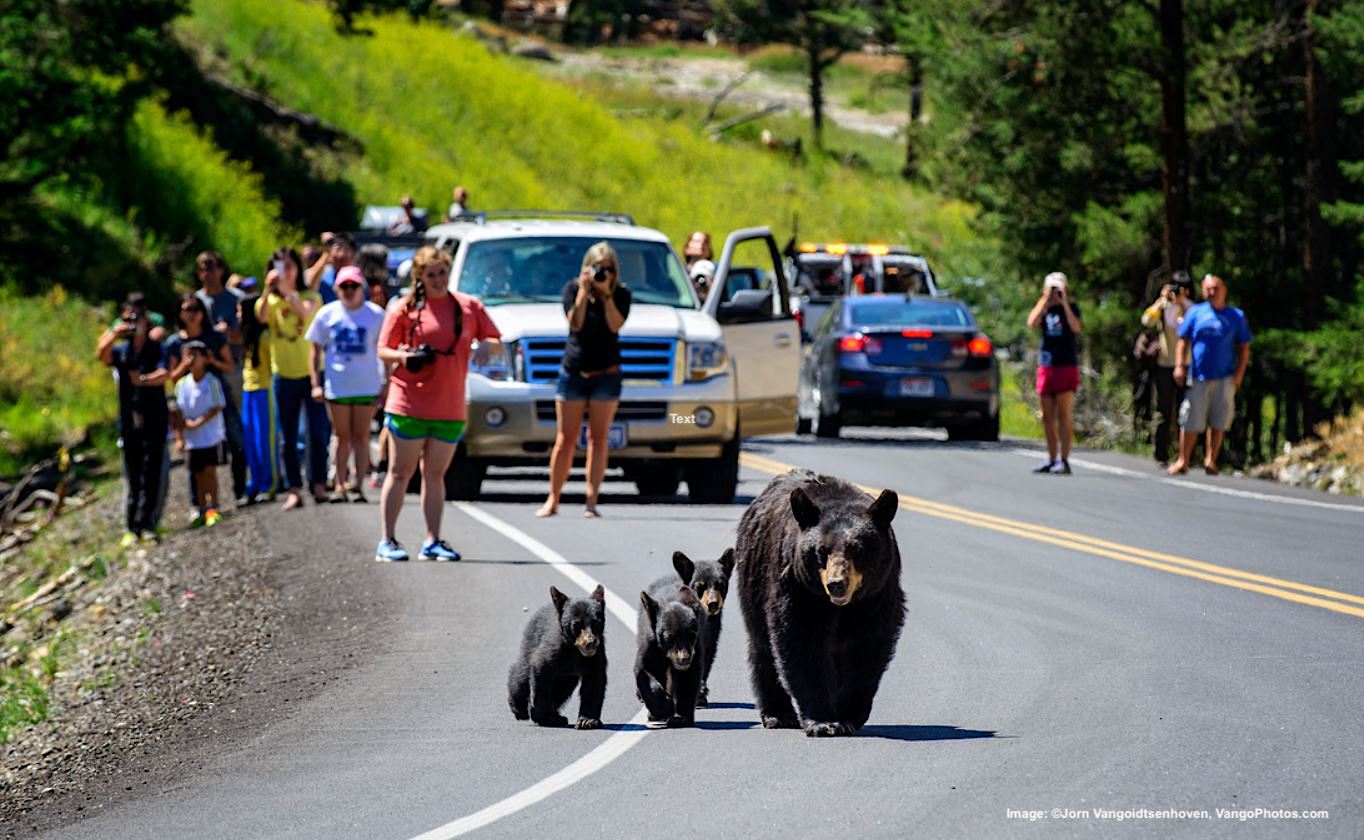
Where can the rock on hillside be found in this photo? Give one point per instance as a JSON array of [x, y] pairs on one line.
[[1333, 461]]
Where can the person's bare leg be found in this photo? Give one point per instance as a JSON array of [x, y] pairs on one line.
[[569, 417], [599, 416], [360, 418], [1049, 424], [1186, 445], [435, 461], [1214, 449], [404, 455], [340, 416], [208, 491], [1065, 403]]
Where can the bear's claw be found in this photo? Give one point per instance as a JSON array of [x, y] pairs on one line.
[[827, 729], [588, 723]]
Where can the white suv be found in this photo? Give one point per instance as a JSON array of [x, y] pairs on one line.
[[699, 375]]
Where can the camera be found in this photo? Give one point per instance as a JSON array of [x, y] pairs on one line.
[[599, 273], [132, 318], [422, 355]]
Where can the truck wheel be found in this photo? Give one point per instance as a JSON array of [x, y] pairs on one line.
[[803, 425], [714, 482], [828, 425], [657, 479], [464, 477]]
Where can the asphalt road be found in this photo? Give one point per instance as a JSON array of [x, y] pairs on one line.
[[1108, 640]]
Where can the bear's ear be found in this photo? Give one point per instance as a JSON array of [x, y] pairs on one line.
[[559, 600], [806, 511], [650, 607], [599, 594], [882, 511], [688, 597], [685, 567], [727, 561]]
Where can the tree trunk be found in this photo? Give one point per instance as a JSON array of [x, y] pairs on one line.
[[1174, 138], [1318, 277], [816, 62], [915, 68]]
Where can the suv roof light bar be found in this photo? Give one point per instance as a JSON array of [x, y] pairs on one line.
[[482, 216]]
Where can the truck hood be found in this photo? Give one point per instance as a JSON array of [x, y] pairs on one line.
[[522, 320]]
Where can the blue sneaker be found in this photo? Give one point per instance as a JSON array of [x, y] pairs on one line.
[[438, 550], [390, 552]]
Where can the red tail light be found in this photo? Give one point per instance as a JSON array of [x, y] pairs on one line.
[[859, 344], [980, 347], [917, 333], [800, 319]]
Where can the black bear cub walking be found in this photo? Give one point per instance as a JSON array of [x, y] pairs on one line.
[[564, 642], [819, 577], [709, 579], [670, 653]]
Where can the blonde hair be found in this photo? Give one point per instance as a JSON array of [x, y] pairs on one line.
[[603, 252], [425, 257]]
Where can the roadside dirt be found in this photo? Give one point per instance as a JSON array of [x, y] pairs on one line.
[[243, 622]]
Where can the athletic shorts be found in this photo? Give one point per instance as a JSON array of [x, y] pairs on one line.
[[415, 428], [574, 387], [354, 400], [209, 456], [1057, 380], [1208, 403]]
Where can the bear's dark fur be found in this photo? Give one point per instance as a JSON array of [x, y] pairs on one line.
[[819, 578], [669, 659], [564, 642], [709, 579]]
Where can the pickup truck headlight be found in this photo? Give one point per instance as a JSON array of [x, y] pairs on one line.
[[497, 366], [706, 360]]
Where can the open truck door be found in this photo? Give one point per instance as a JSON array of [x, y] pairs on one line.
[[750, 299]]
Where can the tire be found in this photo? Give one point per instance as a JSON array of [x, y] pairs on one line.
[[657, 479], [828, 425], [985, 430], [714, 482], [464, 477], [803, 425]]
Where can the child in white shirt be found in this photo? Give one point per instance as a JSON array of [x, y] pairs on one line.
[[201, 401]]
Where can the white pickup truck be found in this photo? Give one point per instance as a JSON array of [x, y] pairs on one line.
[[700, 376]]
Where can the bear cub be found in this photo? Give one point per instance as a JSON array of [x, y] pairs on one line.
[[709, 579], [564, 643], [819, 586], [668, 660]]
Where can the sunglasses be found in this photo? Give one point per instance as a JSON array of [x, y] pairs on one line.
[[195, 309], [349, 287], [208, 266]]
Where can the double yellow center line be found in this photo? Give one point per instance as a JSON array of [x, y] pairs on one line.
[[1299, 593]]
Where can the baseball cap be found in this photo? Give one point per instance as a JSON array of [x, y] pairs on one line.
[[349, 274], [1055, 280], [248, 283], [195, 344], [703, 268]]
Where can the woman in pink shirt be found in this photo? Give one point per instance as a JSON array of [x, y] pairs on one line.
[[427, 335]]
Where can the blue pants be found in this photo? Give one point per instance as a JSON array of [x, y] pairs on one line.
[[294, 398], [262, 445]]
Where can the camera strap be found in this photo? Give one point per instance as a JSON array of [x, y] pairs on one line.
[[414, 332]]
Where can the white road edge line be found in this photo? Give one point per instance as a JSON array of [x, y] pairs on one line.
[[605, 753], [1194, 485]]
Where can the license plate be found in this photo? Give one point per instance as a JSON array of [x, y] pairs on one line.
[[615, 436], [916, 386]]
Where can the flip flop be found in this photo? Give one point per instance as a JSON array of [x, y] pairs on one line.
[[1211, 469], [591, 513]]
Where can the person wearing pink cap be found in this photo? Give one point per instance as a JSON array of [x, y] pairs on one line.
[[346, 371], [1058, 369]]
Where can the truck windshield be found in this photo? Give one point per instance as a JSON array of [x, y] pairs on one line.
[[536, 269]]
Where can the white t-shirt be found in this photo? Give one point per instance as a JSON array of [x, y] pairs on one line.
[[195, 399], [351, 339]]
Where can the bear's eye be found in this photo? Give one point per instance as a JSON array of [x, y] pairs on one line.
[[664, 638], [700, 587]]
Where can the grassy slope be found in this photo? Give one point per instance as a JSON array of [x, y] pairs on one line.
[[434, 109]]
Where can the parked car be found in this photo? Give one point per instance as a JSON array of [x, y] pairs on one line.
[[700, 376], [900, 360]]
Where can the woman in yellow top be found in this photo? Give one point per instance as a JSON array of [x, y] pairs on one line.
[[287, 312]]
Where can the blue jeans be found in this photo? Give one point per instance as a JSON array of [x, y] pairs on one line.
[[262, 446], [294, 398]]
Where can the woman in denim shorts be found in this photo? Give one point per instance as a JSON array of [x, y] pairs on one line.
[[596, 304]]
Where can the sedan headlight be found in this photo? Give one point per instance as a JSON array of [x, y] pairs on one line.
[[496, 366], [706, 360]]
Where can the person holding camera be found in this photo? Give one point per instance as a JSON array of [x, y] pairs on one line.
[[143, 418], [1058, 369], [596, 305], [1211, 358], [1165, 315], [428, 337], [338, 252], [287, 313], [345, 335]]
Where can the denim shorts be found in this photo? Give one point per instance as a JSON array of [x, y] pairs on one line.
[[573, 387]]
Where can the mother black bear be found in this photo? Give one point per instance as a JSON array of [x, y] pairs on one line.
[[819, 578]]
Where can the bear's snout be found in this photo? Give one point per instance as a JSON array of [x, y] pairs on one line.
[[587, 643], [841, 581], [712, 603]]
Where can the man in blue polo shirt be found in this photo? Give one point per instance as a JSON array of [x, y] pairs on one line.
[[1216, 339]]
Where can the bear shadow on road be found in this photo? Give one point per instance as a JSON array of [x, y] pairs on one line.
[[911, 732]]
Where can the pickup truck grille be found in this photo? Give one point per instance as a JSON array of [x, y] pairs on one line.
[[632, 410], [640, 358]]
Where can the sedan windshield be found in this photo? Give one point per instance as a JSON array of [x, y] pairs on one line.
[[920, 313], [536, 269]]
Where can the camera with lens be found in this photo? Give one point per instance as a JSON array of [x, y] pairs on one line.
[[599, 273], [422, 355]]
